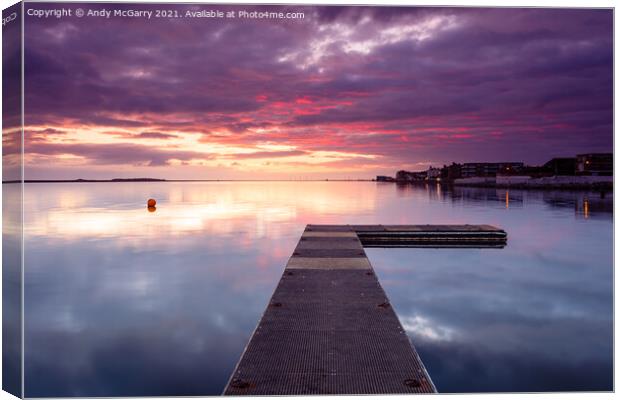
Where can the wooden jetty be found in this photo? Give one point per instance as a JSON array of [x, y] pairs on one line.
[[329, 327]]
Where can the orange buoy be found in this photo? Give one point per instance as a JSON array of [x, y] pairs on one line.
[[151, 203], [152, 209]]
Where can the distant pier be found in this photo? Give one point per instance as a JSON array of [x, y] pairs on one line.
[[329, 327]]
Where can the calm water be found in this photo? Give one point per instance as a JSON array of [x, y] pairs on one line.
[[121, 301]]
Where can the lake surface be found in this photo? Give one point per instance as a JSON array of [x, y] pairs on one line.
[[120, 301]]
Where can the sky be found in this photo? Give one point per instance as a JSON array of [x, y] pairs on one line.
[[345, 92]]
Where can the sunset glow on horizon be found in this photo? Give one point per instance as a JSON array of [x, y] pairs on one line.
[[345, 92]]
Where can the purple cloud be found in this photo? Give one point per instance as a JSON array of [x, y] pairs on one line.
[[407, 84]]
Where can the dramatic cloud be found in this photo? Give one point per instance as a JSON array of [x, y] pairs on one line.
[[343, 92]]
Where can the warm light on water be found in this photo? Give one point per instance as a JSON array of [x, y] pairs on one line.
[[123, 301]]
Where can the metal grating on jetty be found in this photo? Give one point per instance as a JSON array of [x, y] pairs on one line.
[[329, 327]]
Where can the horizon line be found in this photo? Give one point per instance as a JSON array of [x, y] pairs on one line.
[[125, 180]]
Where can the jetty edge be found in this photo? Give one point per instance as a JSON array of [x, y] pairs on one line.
[[329, 327]]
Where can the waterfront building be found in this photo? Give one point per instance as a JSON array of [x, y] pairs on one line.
[[595, 164], [469, 170], [407, 176], [383, 178], [433, 174], [561, 166], [451, 172]]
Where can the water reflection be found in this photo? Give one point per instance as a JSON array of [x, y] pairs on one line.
[[123, 301], [70, 211], [586, 204], [486, 321], [11, 287]]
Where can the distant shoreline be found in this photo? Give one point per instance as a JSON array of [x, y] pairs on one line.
[[589, 188], [180, 180]]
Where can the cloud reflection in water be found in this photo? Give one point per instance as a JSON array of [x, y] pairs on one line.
[[120, 301]]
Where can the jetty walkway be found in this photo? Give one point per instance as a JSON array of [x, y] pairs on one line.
[[329, 327]]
